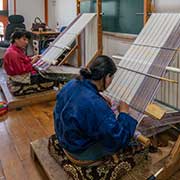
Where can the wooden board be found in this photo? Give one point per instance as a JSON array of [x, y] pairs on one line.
[[40, 154], [155, 111], [21, 101]]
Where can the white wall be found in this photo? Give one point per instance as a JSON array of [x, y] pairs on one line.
[[29, 9], [65, 11], [114, 45], [167, 5], [51, 14]]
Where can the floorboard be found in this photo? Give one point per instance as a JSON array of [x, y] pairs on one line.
[[16, 132], [41, 156]]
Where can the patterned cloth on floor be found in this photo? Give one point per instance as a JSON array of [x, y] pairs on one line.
[[109, 168], [24, 84]]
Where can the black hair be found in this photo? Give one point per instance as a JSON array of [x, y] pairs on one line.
[[99, 68], [19, 33]]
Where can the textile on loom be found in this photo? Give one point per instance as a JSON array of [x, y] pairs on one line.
[[84, 25], [149, 55], [149, 126]]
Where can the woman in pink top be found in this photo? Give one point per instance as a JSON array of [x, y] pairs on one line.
[[16, 62], [18, 66]]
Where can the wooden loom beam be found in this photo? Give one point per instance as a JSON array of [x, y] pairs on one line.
[[150, 75], [147, 7], [68, 55], [99, 19], [79, 61], [168, 68]]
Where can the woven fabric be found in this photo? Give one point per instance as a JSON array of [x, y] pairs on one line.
[[139, 72]]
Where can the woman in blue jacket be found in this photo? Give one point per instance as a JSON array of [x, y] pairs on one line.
[[85, 126]]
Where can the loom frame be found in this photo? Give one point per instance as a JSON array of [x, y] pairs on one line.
[[99, 29]]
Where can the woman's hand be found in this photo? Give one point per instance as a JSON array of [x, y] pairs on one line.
[[35, 58], [123, 107]]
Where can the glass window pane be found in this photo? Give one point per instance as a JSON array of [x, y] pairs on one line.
[[1, 4]]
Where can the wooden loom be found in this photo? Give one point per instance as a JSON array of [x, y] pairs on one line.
[[168, 161], [164, 97], [143, 66], [150, 44], [172, 155], [81, 41], [67, 53]]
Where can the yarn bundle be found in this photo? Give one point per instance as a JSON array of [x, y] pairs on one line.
[[3, 108]]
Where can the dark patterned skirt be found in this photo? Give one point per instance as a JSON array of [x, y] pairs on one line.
[[33, 84], [109, 168]]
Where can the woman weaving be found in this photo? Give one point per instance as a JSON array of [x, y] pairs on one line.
[[19, 67], [87, 130]]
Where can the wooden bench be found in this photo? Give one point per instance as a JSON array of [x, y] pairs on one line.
[[53, 171], [15, 102], [40, 155]]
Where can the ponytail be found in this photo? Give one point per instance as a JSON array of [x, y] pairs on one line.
[[99, 68], [85, 73]]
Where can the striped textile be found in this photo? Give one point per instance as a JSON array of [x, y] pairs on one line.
[[152, 51], [84, 25]]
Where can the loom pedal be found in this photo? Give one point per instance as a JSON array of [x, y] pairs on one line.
[[155, 111]]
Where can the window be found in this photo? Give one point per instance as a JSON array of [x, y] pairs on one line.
[[118, 15]]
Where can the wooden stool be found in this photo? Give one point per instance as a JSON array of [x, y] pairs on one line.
[[40, 154]]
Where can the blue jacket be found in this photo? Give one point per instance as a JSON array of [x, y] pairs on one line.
[[82, 118]]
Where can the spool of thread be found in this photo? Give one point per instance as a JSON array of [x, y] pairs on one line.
[[142, 139], [115, 157]]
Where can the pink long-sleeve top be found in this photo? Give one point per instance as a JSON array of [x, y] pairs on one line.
[[16, 62]]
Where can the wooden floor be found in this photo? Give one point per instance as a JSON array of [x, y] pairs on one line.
[[16, 133], [21, 127]]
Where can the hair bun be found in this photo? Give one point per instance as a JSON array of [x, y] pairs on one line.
[[86, 73]]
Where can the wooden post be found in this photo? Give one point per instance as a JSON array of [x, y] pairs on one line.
[[99, 24], [14, 6], [79, 61], [147, 10], [46, 11], [78, 6]]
